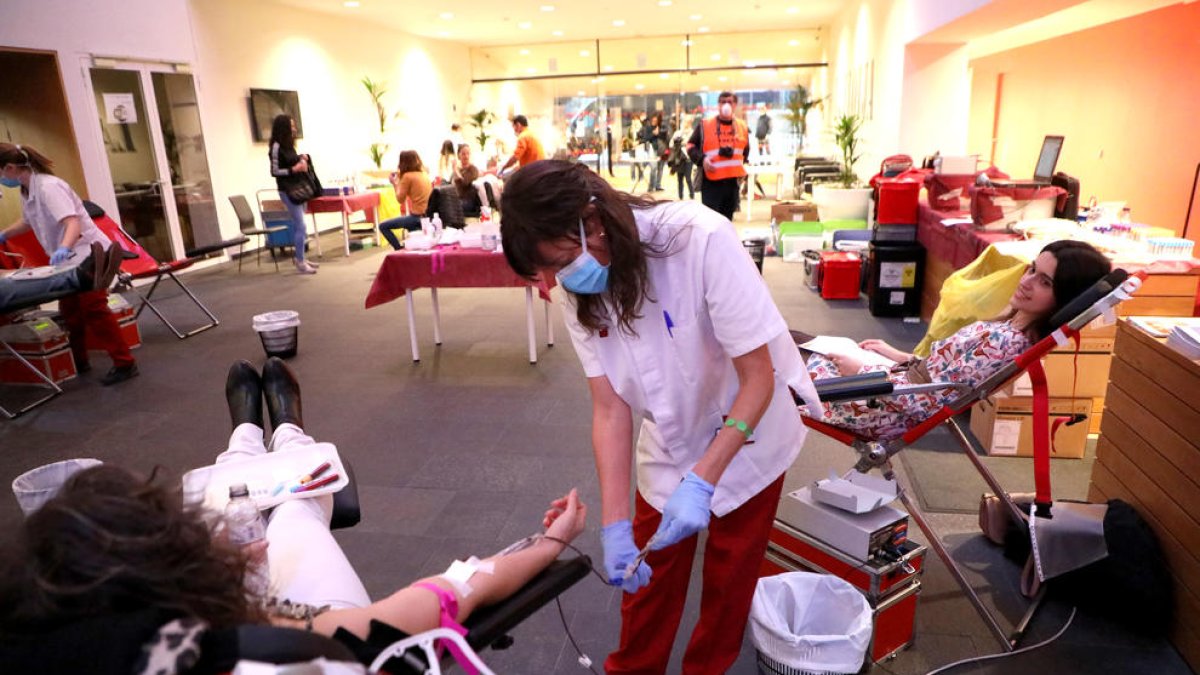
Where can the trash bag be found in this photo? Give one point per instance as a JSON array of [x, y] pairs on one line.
[[38, 486], [810, 622]]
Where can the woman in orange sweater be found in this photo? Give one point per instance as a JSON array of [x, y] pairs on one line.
[[412, 183]]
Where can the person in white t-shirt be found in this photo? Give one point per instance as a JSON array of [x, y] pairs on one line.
[[66, 232], [673, 325]]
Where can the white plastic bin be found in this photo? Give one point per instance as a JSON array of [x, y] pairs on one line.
[[279, 332], [803, 623], [38, 486]]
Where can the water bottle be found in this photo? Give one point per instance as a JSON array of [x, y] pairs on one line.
[[437, 227], [243, 522], [426, 227]]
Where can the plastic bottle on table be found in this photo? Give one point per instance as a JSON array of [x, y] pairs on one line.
[[243, 522], [437, 227]]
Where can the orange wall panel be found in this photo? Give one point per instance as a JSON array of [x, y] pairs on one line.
[[1127, 97]]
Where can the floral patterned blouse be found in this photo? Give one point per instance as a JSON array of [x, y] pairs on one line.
[[971, 355]]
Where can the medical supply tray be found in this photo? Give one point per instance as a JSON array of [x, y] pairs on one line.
[[263, 474]]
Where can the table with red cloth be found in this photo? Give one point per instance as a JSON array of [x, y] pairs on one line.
[[948, 248], [454, 267], [367, 202]]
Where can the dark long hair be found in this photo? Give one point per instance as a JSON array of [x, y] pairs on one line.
[[543, 202], [112, 542], [409, 161], [1078, 265], [24, 155], [281, 132]]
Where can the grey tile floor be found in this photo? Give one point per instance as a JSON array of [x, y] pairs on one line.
[[458, 454]]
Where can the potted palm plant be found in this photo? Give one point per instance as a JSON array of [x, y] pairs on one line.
[[481, 120], [379, 148], [846, 198], [799, 104]]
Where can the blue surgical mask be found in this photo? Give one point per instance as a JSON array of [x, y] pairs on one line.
[[10, 182], [585, 275]]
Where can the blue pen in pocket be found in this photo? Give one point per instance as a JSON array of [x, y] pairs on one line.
[[670, 324]]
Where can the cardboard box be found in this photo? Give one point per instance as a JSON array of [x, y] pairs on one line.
[[784, 211], [1069, 374], [1003, 425]]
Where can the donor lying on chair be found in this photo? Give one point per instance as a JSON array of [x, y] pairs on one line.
[[1062, 270]]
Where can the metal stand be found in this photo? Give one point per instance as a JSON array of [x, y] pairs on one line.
[[213, 321], [55, 389]]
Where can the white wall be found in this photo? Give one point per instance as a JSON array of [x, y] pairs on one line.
[[243, 45], [156, 30]]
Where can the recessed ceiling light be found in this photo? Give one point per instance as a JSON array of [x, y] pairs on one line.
[[702, 29], [618, 22], [525, 25], [715, 57], [785, 82], [664, 3], [664, 75], [579, 93], [704, 87], [686, 43], [723, 78], [793, 43], [793, 10], [608, 68], [639, 85], [696, 17], [748, 64], [444, 33], [351, 4], [557, 33], [524, 52], [547, 8], [446, 15], [584, 52], [597, 79], [531, 70]]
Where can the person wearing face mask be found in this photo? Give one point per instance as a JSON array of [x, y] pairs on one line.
[[58, 219], [674, 327], [720, 145]]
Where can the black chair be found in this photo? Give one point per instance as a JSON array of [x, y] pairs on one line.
[[445, 202], [249, 228]]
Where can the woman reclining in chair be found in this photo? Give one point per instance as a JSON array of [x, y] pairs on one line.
[[115, 562], [1062, 271]]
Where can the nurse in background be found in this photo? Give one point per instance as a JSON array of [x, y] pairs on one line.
[[674, 326], [56, 215]]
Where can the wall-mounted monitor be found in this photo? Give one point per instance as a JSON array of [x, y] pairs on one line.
[[265, 104]]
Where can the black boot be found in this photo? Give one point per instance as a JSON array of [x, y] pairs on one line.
[[243, 392], [282, 392]]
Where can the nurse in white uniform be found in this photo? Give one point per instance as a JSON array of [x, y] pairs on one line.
[[674, 327]]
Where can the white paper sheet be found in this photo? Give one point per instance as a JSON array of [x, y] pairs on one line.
[[828, 344]]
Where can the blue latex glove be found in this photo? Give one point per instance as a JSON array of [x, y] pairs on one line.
[[686, 512], [60, 256], [3, 237], [620, 552]]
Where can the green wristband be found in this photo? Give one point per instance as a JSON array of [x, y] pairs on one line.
[[740, 426]]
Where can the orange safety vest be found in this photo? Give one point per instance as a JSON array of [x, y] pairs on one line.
[[717, 136]]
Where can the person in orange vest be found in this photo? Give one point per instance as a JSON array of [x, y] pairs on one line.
[[721, 145]]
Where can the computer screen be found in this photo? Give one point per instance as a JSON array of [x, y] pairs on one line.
[[1048, 159]]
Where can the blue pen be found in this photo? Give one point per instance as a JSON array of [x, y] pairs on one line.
[[670, 324]]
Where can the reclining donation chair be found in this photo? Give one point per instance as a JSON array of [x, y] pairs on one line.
[[1100, 300], [143, 266]]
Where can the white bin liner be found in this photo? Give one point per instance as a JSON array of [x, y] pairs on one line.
[[273, 321], [38, 486], [810, 622]]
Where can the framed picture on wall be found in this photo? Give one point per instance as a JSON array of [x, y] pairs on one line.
[[265, 104]]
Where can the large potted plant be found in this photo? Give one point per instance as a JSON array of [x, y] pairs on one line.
[[481, 120], [799, 104], [379, 148], [846, 198]]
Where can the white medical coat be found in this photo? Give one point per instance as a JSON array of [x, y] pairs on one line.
[[680, 378], [49, 200]]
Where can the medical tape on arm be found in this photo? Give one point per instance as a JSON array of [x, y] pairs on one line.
[[460, 572]]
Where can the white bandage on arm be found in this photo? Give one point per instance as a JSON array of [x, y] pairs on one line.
[[460, 572]]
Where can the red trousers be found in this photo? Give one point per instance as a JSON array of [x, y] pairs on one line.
[[732, 555], [89, 312]]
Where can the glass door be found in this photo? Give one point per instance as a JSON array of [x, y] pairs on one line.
[[150, 122]]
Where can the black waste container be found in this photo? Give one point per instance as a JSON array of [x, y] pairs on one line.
[[757, 248], [897, 271]]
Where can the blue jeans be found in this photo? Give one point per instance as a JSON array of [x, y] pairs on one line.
[[25, 292], [299, 230], [410, 223], [656, 172]]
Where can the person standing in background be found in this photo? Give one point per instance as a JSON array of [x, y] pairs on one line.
[[655, 136], [529, 148], [720, 145], [447, 163], [285, 163], [55, 214], [678, 160]]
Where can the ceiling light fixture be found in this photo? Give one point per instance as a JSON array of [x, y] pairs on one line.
[[525, 25], [696, 17], [704, 87], [793, 43], [531, 70], [446, 15], [351, 4], [715, 57], [584, 52], [444, 33], [557, 33], [579, 93], [723, 78], [793, 10], [702, 29], [524, 52], [664, 3], [785, 82], [547, 8], [664, 75], [686, 43], [608, 68], [618, 22], [639, 86]]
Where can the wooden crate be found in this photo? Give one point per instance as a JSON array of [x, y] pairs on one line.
[[1149, 456]]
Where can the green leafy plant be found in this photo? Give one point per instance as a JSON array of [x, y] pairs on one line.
[[798, 105], [377, 90], [378, 150], [480, 120], [846, 135]]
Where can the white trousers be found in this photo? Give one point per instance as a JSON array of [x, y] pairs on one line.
[[306, 563]]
